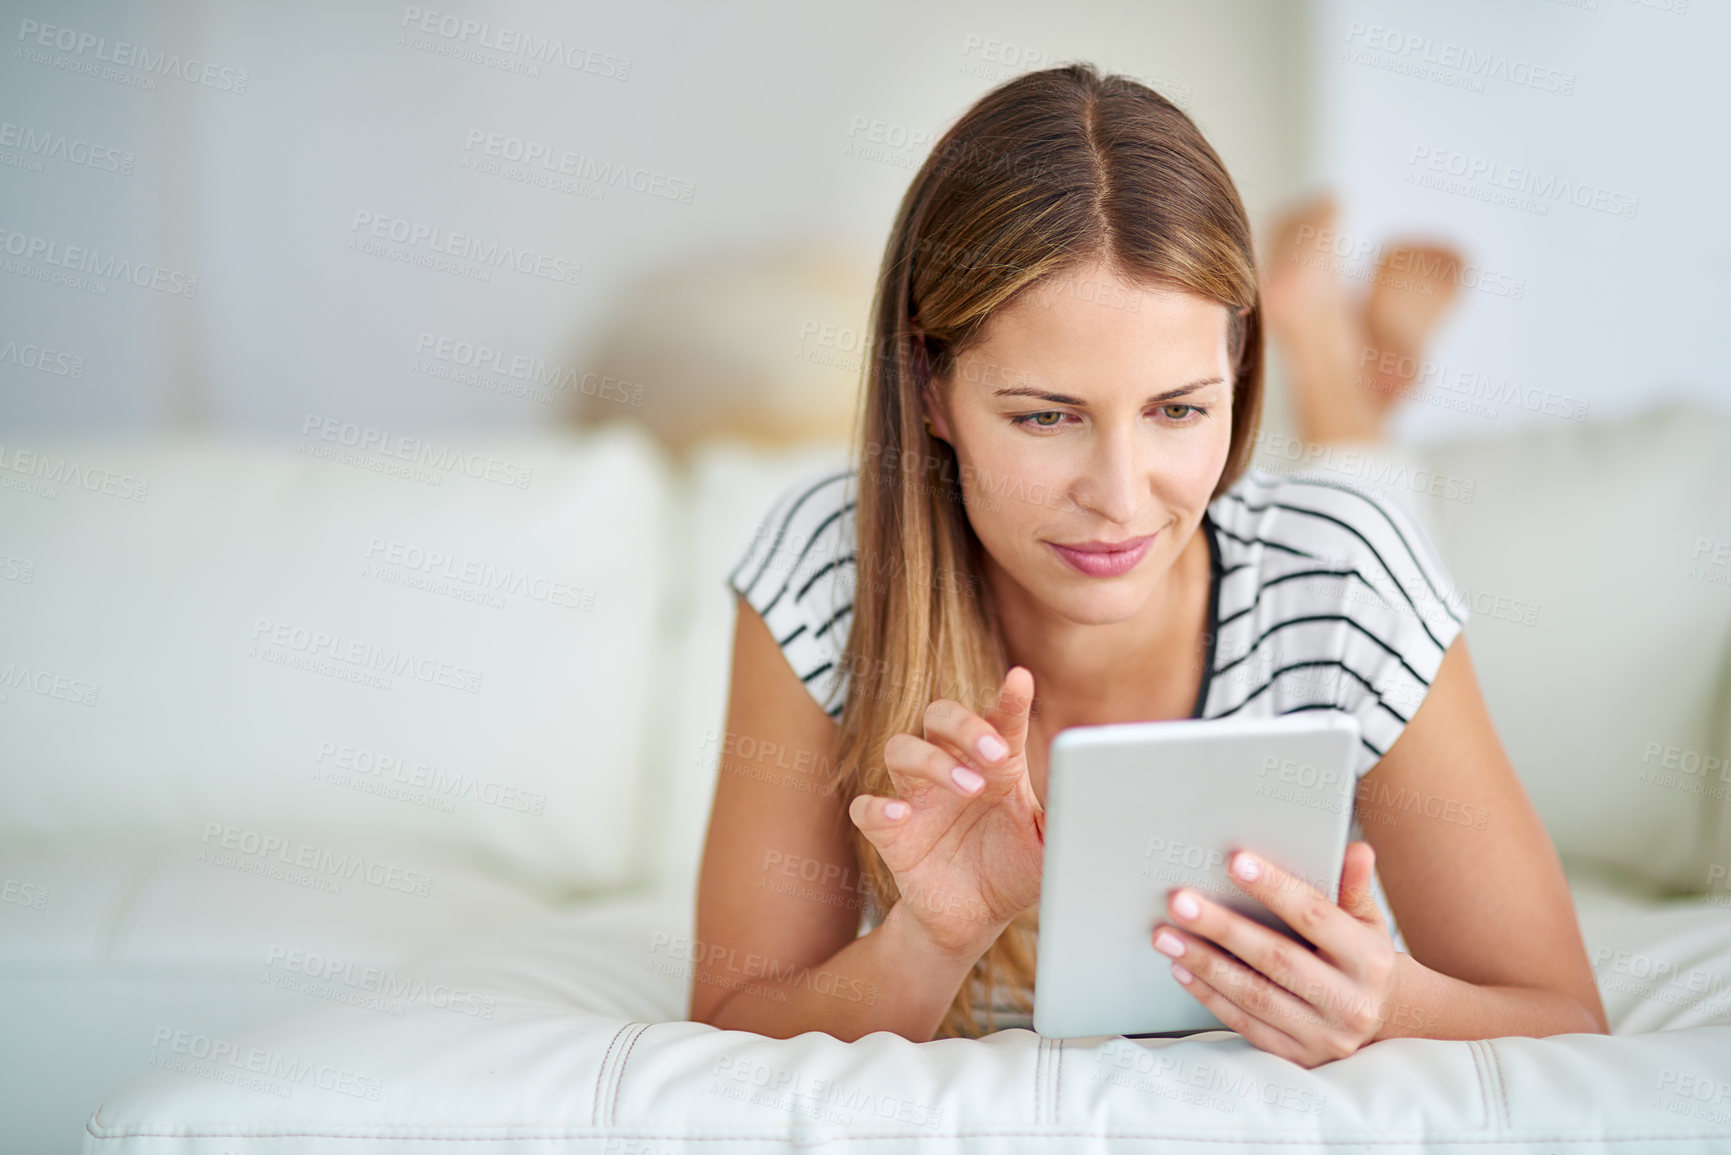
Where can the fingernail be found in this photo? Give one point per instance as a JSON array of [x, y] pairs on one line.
[[1168, 943], [967, 779], [991, 747], [1184, 905], [1246, 867], [896, 809], [1181, 974]]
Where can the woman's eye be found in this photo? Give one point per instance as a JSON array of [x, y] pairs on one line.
[[1190, 415]]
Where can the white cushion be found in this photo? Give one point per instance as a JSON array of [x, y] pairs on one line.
[[1609, 700], [257, 641], [1665, 967], [726, 491], [581, 1054], [99, 952], [1599, 618]]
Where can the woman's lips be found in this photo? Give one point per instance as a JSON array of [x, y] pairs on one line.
[[1097, 560]]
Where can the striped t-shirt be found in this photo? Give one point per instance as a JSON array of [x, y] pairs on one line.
[[1323, 596]]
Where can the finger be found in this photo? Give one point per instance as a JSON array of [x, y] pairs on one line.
[[916, 766], [1263, 964], [1299, 905], [1260, 1033], [1009, 714], [966, 735], [1356, 895], [876, 815]]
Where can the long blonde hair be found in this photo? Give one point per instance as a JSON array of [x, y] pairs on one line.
[[1049, 170]]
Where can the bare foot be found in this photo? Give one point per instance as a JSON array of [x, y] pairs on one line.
[[1350, 360], [1416, 285]]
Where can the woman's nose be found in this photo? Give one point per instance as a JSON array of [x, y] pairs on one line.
[[1113, 485]]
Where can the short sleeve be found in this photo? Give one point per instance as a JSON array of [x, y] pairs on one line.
[[1404, 608], [798, 572]]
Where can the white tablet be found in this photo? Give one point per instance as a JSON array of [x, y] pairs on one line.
[[1136, 809]]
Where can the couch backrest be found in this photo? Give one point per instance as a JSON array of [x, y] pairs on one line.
[[402, 641], [438, 644], [725, 492], [1597, 558]]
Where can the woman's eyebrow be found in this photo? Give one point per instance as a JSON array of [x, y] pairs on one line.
[[1066, 399]]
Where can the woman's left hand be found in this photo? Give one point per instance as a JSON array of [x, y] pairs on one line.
[[1310, 1008]]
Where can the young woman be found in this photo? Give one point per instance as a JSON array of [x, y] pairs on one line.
[[1051, 522]]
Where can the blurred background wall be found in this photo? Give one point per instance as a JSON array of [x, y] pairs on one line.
[[463, 216], [1567, 147], [654, 160]]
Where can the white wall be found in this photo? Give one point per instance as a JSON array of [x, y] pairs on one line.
[[254, 186], [1622, 100]]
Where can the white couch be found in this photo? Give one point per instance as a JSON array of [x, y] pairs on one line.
[[352, 791]]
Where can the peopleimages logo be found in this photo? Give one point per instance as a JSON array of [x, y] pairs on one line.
[[342, 980], [1519, 186], [347, 764], [257, 1068], [515, 42], [104, 266], [367, 439], [42, 360], [125, 54], [414, 235], [232, 846], [52, 471], [273, 640], [44, 144], [578, 165], [473, 572], [1471, 63], [16, 677], [536, 371]]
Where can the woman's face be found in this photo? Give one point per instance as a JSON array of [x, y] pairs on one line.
[[1094, 412]]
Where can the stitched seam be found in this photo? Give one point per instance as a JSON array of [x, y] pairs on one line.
[[601, 1075], [1039, 1099], [1058, 1083], [1046, 1106], [1493, 1100], [1502, 1084], [619, 1080], [1487, 1111]]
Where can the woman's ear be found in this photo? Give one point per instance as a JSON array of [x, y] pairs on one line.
[[936, 422]]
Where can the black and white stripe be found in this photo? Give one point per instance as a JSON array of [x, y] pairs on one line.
[[1330, 597], [799, 573]]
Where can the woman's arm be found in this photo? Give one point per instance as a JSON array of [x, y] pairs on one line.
[[780, 891], [891, 979], [1472, 877]]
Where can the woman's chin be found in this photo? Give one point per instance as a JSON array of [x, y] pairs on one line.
[[1098, 607]]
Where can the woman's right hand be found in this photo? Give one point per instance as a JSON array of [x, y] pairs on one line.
[[965, 834]]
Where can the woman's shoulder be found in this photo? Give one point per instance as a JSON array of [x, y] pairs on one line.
[[1282, 521], [797, 572], [1331, 594], [807, 527]]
